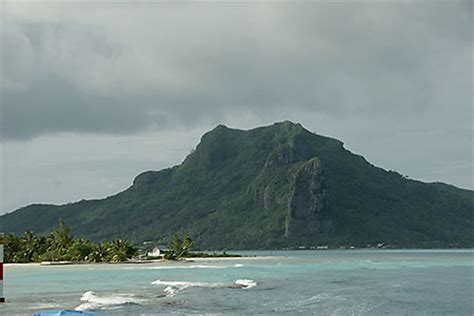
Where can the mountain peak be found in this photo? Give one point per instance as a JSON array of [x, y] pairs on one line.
[[220, 127], [223, 143], [283, 125], [269, 187], [288, 124]]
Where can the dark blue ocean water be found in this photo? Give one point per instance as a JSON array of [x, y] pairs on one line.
[[346, 282]]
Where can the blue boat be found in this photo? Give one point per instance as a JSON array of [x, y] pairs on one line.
[[65, 313]]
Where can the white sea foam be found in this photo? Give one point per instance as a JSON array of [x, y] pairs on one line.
[[174, 287], [203, 266], [246, 283], [188, 284], [93, 301], [171, 291]]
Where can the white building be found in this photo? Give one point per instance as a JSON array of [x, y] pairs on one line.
[[156, 252]]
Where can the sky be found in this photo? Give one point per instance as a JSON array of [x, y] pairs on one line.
[[94, 93]]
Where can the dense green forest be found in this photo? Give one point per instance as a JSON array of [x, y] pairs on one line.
[[273, 187]]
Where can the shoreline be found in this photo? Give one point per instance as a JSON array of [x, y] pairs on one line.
[[217, 259], [233, 258], [146, 262]]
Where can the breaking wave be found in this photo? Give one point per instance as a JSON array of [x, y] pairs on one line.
[[174, 287], [94, 301], [246, 283]]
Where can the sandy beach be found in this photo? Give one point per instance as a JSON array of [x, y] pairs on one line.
[[156, 262], [11, 265]]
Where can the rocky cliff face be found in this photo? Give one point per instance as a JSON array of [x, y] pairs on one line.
[[308, 202], [270, 187]]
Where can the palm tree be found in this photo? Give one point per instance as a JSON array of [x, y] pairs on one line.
[[121, 250], [118, 251], [100, 252], [62, 235], [79, 250], [12, 246], [179, 248], [29, 246], [59, 241], [188, 243], [42, 246]]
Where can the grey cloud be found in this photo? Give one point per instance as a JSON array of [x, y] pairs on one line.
[[93, 94], [128, 68]]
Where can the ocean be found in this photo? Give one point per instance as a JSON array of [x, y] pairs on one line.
[[339, 282]]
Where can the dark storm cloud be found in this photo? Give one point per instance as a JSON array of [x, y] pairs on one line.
[[93, 94], [126, 68]]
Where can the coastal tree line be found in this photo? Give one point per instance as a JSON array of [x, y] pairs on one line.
[[61, 245]]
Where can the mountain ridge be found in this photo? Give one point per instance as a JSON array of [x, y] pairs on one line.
[[269, 187]]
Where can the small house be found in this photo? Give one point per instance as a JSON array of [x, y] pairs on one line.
[[156, 252]]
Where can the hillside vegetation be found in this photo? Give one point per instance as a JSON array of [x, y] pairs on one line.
[[271, 187]]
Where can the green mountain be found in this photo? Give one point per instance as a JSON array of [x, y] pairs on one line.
[[270, 187]]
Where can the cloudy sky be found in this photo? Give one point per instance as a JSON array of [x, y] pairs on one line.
[[94, 93]]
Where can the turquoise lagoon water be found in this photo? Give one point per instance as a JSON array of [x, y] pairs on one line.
[[346, 282]]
